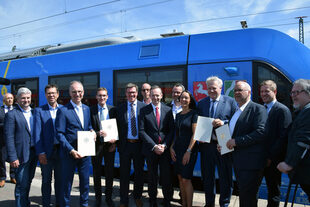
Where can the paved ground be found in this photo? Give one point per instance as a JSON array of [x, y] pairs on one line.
[[7, 195]]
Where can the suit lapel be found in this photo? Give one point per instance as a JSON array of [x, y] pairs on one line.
[[220, 105], [48, 114], [75, 114], [23, 119], [241, 118], [85, 115]]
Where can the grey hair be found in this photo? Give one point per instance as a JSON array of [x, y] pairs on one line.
[[213, 79], [304, 83], [23, 90]]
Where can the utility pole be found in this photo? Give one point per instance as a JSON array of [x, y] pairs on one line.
[[301, 28]]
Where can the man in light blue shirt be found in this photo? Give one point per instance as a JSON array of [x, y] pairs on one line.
[[47, 146]]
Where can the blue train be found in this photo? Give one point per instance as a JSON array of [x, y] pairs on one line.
[[253, 55]]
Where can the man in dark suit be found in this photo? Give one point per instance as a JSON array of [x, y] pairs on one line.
[[70, 119], [130, 145], [8, 100], [47, 145], [18, 130], [221, 108], [297, 160], [156, 130], [278, 121], [249, 155], [104, 149]]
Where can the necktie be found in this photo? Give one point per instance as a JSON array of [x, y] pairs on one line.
[[158, 122], [212, 109], [133, 121], [101, 116]]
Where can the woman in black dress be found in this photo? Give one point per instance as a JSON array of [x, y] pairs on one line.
[[184, 150]]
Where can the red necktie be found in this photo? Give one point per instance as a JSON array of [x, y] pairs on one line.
[[158, 122]]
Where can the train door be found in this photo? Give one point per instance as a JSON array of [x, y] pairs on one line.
[[263, 71], [228, 72]]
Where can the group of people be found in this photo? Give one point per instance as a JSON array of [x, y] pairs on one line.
[[265, 141]]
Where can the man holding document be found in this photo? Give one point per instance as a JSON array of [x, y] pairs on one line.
[[221, 108], [104, 149], [249, 155], [71, 119]]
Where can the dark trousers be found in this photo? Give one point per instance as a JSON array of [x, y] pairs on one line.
[[2, 165], [273, 181], [306, 189], [163, 162], [108, 171], [53, 165], [248, 183], [210, 158], [132, 153], [24, 175], [69, 164]]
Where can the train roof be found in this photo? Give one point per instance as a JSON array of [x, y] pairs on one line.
[[291, 57]]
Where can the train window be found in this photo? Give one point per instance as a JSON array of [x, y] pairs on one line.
[[90, 82], [163, 77], [263, 71], [30, 83]]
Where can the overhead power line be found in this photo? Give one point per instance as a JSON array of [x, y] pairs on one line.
[[59, 14], [82, 19]]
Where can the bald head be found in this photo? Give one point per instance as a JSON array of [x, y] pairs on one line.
[[242, 92], [8, 99]]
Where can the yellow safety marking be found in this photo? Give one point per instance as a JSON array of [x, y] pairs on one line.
[[4, 90]]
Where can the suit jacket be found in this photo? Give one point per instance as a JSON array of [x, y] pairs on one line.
[[122, 123], [224, 111], [96, 125], [299, 132], [68, 123], [17, 136], [250, 153], [276, 130], [44, 133], [149, 130], [2, 115]]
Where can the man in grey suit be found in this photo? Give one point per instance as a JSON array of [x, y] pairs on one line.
[[279, 119], [249, 155], [297, 160], [221, 108]]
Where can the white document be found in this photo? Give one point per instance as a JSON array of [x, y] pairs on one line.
[[110, 128], [223, 135], [204, 129], [86, 143]]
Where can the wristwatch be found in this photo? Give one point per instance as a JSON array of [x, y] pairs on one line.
[[189, 150]]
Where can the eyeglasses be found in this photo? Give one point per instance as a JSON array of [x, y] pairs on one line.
[[239, 90], [76, 92], [296, 93], [145, 89]]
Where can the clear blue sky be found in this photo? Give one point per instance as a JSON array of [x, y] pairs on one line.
[[64, 21]]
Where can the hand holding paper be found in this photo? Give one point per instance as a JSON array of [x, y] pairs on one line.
[[204, 129], [86, 144], [223, 136]]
